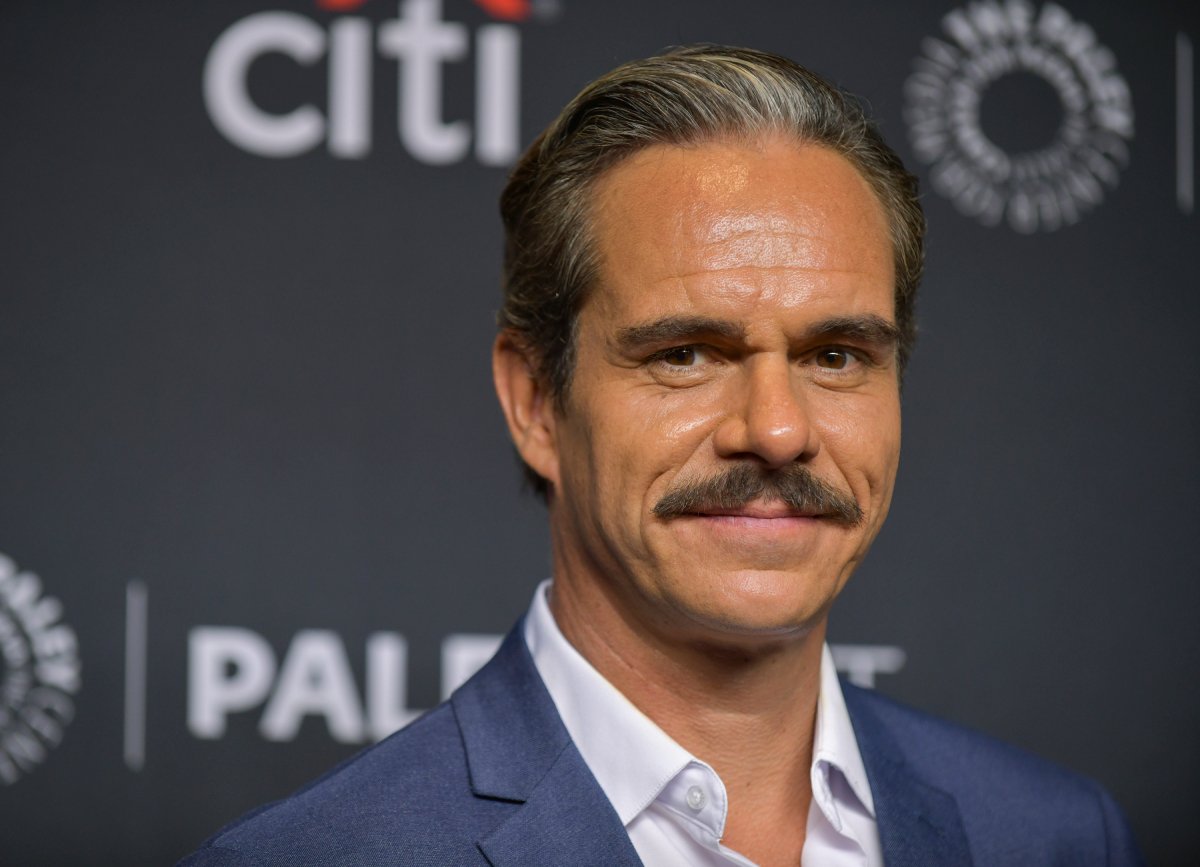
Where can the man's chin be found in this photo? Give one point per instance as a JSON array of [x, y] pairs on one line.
[[754, 607]]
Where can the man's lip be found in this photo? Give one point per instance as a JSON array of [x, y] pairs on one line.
[[764, 511]]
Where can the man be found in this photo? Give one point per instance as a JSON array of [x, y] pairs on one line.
[[709, 281]]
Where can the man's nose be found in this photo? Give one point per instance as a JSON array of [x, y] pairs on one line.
[[769, 418]]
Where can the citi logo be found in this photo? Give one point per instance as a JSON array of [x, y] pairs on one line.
[[420, 42]]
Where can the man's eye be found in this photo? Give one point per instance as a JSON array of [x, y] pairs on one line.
[[835, 359], [680, 356]]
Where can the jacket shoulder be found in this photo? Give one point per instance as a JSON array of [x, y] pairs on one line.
[[405, 800], [1009, 799], [951, 753]]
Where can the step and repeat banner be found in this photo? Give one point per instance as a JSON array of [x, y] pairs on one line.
[[257, 505]]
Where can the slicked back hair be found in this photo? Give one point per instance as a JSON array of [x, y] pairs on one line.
[[686, 96]]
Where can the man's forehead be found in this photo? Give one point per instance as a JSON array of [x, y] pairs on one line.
[[748, 220], [724, 203]]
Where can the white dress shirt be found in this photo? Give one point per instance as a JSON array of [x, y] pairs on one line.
[[674, 805]]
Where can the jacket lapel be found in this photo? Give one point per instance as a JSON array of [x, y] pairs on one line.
[[919, 824], [519, 751], [567, 820]]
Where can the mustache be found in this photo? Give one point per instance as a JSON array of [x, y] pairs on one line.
[[795, 486]]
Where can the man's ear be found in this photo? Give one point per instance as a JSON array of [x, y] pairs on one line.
[[528, 407]]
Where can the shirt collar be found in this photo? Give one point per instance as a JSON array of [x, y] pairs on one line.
[[834, 744], [633, 759]]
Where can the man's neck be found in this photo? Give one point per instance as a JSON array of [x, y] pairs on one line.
[[746, 707]]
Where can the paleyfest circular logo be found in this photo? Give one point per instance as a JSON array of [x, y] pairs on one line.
[[1036, 186], [39, 672]]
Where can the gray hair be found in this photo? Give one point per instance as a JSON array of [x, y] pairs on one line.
[[688, 95]]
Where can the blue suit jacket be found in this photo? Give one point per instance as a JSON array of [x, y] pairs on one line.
[[491, 777]]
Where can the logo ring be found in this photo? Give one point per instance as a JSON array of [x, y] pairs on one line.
[[1040, 190]]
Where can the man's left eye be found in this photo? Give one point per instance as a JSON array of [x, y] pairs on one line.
[[835, 359], [681, 356]]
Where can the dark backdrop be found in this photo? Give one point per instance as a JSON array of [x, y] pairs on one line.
[[248, 444]]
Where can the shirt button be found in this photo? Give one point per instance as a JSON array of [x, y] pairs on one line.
[[695, 798]]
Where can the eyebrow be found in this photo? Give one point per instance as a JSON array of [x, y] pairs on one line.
[[867, 328], [671, 328]]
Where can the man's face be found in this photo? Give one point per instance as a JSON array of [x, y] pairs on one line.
[[742, 332]]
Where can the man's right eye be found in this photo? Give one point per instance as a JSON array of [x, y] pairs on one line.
[[679, 356]]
